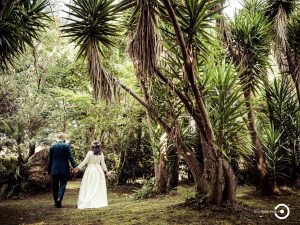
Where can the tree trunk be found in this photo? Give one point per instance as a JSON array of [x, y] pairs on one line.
[[162, 176], [173, 169], [295, 74], [230, 182], [208, 178], [284, 54], [151, 132], [268, 185], [213, 176], [121, 177], [188, 154], [268, 98], [257, 171], [20, 159], [31, 149]]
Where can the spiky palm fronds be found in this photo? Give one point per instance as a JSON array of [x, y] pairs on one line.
[[276, 160], [255, 5], [20, 24], [196, 19], [251, 39], [104, 84], [143, 45], [284, 108], [279, 11], [91, 20], [92, 26], [226, 108], [285, 119]]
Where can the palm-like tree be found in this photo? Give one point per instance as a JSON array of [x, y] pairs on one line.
[[143, 49], [280, 12], [216, 168], [250, 49], [92, 26], [285, 121], [226, 108], [293, 38], [143, 45], [190, 22], [293, 33], [20, 24]]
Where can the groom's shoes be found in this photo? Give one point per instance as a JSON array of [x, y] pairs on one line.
[[58, 203]]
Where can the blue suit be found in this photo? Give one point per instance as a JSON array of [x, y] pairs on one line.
[[58, 167]]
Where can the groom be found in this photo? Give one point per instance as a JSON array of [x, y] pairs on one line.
[[58, 167]]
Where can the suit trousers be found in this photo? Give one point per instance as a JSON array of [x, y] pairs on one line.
[[59, 183]]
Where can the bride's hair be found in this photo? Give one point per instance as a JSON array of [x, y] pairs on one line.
[[96, 147]]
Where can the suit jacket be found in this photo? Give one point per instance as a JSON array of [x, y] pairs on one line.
[[59, 156]]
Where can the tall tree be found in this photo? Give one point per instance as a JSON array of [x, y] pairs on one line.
[[217, 179], [250, 49], [94, 21], [280, 12]]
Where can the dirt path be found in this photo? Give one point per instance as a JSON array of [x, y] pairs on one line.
[[123, 210]]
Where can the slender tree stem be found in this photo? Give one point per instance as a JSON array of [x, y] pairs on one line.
[[189, 69]]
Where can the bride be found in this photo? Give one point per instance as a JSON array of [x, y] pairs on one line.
[[93, 192]]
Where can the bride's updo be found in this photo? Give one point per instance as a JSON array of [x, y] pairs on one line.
[[96, 147]]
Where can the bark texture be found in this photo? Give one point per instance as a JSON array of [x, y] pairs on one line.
[[162, 175]]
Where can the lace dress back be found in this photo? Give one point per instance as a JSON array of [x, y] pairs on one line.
[[93, 191]]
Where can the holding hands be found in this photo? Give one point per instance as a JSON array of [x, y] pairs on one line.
[[108, 173], [75, 170], [111, 175]]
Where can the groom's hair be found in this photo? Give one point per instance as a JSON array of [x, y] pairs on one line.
[[61, 136]]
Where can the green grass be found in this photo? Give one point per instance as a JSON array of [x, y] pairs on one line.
[[161, 210]]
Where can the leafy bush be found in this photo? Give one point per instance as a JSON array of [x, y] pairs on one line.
[[281, 140], [275, 157], [147, 190], [11, 178]]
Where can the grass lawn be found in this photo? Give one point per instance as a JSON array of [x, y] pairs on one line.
[[162, 210]]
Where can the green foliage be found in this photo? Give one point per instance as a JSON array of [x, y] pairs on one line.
[[7, 168], [135, 160], [251, 35], [11, 175], [20, 24], [276, 160], [293, 34], [92, 26], [226, 109], [146, 191], [283, 106], [8, 103], [284, 115], [196, 19], [92, 21], [49, 92]]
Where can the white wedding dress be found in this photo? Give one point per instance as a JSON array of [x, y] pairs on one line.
[[93, 192]]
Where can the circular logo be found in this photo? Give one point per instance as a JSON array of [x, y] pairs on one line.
[[282, 211]]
